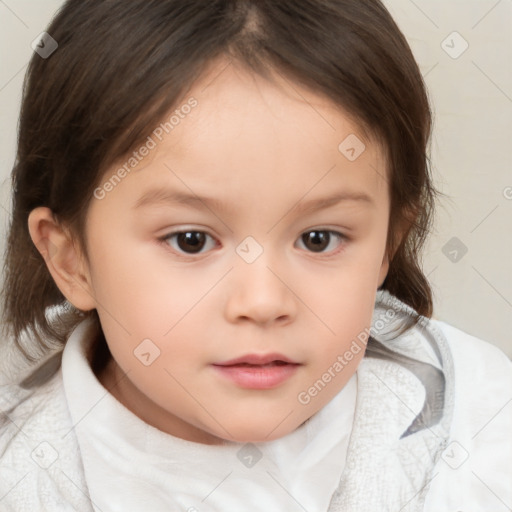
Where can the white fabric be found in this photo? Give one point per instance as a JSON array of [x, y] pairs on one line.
[[163, 471], [462, 462], [475, 473]]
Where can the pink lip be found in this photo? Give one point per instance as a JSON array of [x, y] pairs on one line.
[[255, 371], [258, 377]]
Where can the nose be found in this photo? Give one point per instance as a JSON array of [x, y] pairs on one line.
[[259, 294]]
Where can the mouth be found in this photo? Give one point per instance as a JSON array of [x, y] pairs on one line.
[[255, 371]]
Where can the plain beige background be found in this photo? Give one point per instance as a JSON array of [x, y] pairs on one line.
[[464, 51]]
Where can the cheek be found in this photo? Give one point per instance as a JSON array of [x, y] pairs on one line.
[[342, 299], [137, 286]]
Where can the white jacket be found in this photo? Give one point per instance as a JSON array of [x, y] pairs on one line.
[[432, 429]]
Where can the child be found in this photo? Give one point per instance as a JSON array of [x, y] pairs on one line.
[[287, 359]]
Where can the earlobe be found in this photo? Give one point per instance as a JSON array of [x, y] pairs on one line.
[[64, 261]]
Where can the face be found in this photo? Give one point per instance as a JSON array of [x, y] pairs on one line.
[[253, 229]]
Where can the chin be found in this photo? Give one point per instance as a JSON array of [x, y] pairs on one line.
[[260, 433]]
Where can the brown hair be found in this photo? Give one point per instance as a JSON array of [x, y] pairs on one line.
[[121, 66]]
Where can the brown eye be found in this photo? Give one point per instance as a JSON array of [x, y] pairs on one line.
[[188, 242], [321, 239]]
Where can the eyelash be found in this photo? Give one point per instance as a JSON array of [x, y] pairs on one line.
[[343, 239]]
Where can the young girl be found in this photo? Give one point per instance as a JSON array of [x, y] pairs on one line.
[[213, 264]]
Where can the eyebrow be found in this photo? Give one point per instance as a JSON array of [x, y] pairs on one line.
[[165, 196]]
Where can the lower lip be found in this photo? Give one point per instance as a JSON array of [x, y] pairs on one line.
[[258, 377]]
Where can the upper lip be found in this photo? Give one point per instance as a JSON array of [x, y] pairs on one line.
[[257, 359]]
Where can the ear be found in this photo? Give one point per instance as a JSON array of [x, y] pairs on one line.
[[62, 257]]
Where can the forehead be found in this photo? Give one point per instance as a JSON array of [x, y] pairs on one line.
[[273, 139], [237, 100]]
